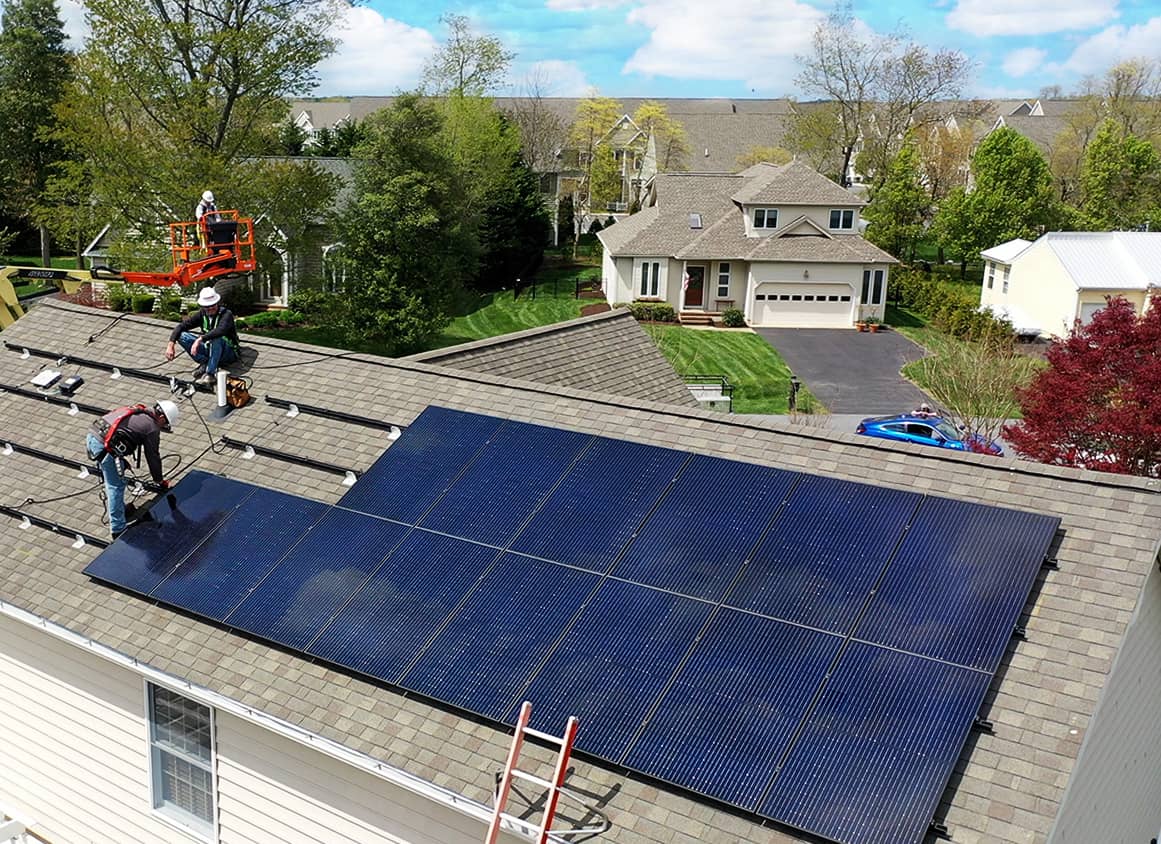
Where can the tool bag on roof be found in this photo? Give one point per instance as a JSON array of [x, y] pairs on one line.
[[108, 430], [237, 391]]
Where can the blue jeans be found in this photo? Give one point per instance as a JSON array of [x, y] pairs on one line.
[[110, 466], [211, 353]]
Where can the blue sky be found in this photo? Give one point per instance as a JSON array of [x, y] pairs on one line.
[[743, 48]]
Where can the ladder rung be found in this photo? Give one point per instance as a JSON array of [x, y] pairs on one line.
[[532, 778], [528, 731]]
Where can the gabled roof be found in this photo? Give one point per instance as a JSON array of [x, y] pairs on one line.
[[791, 184], [1042, 131], [663, 229], [606, 353], [1005, 253], [1108, 260], [1043, 705]]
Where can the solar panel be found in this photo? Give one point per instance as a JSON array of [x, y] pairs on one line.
[[876, 752], [144, 555], [955, 589], [490, 649], [610, 682], [696, 543], [385, 625], [726, 721], [513, 485], [421, 464], [592, 514], [316, 577], [824, 553], [806, 649], [219, 572]]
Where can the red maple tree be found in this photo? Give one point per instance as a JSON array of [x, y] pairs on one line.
[[1098, 404]]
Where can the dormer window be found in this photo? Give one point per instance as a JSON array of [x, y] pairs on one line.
[[842, 219], [765, 218]]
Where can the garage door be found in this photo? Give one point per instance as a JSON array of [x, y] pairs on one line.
[[804, 305]]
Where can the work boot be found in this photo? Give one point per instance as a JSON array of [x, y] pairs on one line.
[[205, 380], [200, 371]]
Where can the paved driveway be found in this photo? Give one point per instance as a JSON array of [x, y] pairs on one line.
[[850, 371]]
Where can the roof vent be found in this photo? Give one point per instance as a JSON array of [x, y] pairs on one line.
[[707, 152], [695, 220]]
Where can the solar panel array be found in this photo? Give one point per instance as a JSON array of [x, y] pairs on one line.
[[807, 649]]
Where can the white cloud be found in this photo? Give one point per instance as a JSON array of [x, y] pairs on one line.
[[552, 78], [1101, 51], [1023, 61], [1029, 17], [750, 39], [376, 55], [583, 5], [72, 15]]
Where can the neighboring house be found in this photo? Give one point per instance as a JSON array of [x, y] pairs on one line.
[[278, 272], [781, 243], [1046, 286], [126, 720]]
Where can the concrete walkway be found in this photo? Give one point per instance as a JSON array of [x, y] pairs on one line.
[[850, 372]]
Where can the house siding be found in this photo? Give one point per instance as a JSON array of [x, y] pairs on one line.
[[1040, 288], [1114, 794], [75, 762], [817, 214]]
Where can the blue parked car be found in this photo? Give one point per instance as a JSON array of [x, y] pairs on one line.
[[925, 429]]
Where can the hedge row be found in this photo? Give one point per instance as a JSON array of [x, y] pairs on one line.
[[949, 311], [650, 311]]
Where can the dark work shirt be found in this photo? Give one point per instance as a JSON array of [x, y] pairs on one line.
[[145, 433], [213, 326]]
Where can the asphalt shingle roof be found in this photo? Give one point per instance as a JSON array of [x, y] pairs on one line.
[[607, 353], [1007, 787], [792, 184]]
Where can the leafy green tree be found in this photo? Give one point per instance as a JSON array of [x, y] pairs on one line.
[[595, 118], [169, 97], [1011, 197], [468, 63], [759, 154], [815, 135], [34, 70], [666, 136], [898, 206], [1120, 180], [605, 182], [514, 227], [408, 247]]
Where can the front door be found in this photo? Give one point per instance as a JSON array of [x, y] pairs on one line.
[[694, 287]]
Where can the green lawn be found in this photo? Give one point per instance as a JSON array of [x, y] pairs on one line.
[[760, 377]]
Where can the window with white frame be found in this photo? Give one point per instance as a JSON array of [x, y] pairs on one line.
[[991, 274], [765, 218], [873, 287], [1005, 280], [842, 218], [181, 759], [723, 280], [649, 279]]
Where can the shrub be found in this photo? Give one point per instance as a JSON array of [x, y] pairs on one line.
[[169, 305], [652, 311], [142, 303], [240, 299], [733, 318], [117, 297], [310, 301]]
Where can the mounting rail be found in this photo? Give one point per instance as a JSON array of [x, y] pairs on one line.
[[29, 519], [59, 460], [172, 381], [53, 399], [314, 410], [290, 458]]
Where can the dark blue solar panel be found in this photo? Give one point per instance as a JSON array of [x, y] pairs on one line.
[[825, 552], [316, 578], [506, 482], [487, 653], [382, 629], [875, 755], [593, 513], [220, 571], [727, 720], [421, 464], [697, 541], [143, 555], [955, 589], [613, 664]]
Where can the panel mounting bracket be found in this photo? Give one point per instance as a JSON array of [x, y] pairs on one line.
[[1050, 563], [1020, 632], [939, 830], [983, 725]]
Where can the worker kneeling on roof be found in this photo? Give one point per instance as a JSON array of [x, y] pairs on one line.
[[216, 346], [118, 434]]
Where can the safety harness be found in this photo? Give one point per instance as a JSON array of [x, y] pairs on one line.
[[210, 323], [108, 430]]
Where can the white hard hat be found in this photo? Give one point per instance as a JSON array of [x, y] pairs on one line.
[[169, 410], [207, 297], [208, 196]]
